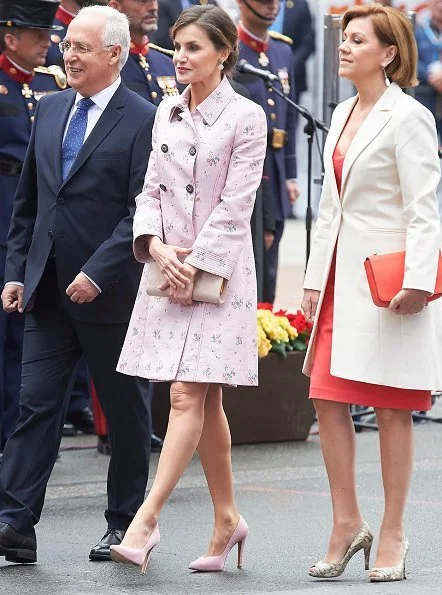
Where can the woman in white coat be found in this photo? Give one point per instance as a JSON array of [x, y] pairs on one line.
[[379, 196]]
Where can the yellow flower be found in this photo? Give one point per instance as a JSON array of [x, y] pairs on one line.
[[285, 324]]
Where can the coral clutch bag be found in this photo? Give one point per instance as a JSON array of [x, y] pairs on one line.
[[207, 287], [385, 275]]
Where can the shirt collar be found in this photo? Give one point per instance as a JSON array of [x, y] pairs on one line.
[[211, 108], [102, 98]]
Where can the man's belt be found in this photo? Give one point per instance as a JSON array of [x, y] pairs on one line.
[[277, 138], [8, 167]]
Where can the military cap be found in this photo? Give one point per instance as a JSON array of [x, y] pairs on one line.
[[29, 14]]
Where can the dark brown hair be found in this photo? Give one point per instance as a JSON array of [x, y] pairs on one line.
[[391, 27], [15, 31], [219, 27]]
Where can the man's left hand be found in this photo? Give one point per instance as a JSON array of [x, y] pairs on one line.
[[81, 290], [293, 190]]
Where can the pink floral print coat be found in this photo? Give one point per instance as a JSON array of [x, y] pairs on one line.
[[199, 192]]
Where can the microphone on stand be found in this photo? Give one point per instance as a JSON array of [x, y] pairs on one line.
[[246, 68]]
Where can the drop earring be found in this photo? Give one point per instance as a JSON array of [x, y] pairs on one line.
[[387, 81], [221, 65]]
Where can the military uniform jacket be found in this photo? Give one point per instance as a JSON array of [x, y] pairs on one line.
[[18, 101], [280, 115], [150, 73]]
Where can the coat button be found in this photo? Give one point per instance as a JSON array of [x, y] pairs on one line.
[[163, 187], [179, 118], [60, 200], [51, 234], [164, 148], [192, 151], [189, 188]]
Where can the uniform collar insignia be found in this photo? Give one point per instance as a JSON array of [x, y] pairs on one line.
[[64, 16], [17, 75], [140, 48], [256, 45]]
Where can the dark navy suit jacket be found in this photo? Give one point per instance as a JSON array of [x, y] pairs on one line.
[[281, 163], [88, 217], [299, 27]]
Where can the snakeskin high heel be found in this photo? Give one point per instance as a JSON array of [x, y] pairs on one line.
[[362, 541], [390, 573]]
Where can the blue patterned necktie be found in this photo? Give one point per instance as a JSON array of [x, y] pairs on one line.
[[74, 138]]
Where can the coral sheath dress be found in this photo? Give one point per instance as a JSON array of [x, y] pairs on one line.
[[331, 388]]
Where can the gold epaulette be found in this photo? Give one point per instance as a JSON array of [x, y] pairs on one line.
[[281, 37], [169, 53], [55, 71]]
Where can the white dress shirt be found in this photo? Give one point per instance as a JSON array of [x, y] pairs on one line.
[[101, 100]]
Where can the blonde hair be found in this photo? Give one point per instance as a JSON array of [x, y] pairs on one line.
[[391, 27]]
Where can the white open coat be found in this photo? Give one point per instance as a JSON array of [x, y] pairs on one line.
[[387, 204]]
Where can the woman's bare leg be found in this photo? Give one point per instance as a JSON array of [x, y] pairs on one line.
[[396, 444], [214, 450], [337, 435], [184, 430]]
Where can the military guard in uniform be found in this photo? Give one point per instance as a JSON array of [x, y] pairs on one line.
[[25, 27], [149, 70], [272, 51], [169, 10]]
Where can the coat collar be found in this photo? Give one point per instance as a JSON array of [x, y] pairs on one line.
[[373, 124], [211, 108]]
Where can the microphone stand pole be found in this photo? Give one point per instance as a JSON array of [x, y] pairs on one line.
[[311, 126]]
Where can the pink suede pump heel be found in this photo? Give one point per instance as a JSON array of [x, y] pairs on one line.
[[132, 555], [217, 563]]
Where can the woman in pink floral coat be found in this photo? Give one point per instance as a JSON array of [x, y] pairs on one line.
[[194, 214]]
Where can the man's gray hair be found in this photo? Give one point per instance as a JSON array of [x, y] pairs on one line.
[[116, 29]]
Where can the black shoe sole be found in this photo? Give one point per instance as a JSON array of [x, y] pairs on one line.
[[100, 558], [19, 556]]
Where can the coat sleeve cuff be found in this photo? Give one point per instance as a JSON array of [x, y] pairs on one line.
[[147, 222], [211, 263]]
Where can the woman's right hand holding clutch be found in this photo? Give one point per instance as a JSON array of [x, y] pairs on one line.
[[310, 303], [173, 270]]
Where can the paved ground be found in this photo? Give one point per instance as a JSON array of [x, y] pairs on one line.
[[282, 492]]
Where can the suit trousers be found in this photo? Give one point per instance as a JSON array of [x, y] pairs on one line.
[[53, 345], [11, 344]]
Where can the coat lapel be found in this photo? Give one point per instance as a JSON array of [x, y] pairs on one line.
[[371, 127], [109, 118], [332, 139], [60, 117]]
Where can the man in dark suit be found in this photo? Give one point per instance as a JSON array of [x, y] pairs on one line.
[[70, 266], [169, 11]]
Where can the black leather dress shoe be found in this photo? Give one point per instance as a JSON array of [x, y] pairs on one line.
[[16, 547], [156, 444], [101, 552], [82, 420]]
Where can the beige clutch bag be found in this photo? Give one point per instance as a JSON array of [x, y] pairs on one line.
[[207, 287]]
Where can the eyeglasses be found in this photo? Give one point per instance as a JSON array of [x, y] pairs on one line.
[[79, 48]]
